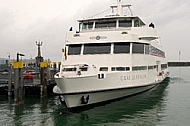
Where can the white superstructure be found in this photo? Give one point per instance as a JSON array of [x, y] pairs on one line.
[[108, 58]]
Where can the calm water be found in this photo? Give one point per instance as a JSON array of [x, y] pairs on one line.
[[165, 105]]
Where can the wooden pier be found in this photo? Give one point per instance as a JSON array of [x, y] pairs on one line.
[[30, 87]]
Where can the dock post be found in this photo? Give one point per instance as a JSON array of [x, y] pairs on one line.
[[10, 81], [18, 85], [43, 79], [21, 88]]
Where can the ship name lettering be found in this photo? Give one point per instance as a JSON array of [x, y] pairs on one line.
[[138, 77], [125, 78], [133, 77]]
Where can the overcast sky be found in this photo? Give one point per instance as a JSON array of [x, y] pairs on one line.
[[23, 22]]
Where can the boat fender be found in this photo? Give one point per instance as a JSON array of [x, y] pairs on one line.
[[84, 100]]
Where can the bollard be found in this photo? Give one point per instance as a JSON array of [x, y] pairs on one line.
[[18, 84]]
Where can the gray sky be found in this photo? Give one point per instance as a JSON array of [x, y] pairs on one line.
[[23, 22]]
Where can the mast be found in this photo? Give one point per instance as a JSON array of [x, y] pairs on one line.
[[120, 7]]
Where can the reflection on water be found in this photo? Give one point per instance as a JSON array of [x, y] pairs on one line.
[[34, 111], [143, 109]]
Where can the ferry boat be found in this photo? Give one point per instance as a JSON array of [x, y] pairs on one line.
[[110, 57]]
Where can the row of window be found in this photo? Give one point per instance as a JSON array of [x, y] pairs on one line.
[[102, 24], [120, 68], [74, 69], [105, 48], [134, 68]]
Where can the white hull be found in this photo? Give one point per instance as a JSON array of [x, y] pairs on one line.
[[74, 100], [76, 90]]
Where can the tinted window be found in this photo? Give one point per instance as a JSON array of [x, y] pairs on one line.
[[121, 48], [146, 49], [83, 68], [150, 67], [136, 23], [120, 68], [157, 52], [74, 49], [164, 66], [69, 69], [105, 24], [103, 68], [139, 68], [125, 23], [138, 48], [87, 26], [101, 48]]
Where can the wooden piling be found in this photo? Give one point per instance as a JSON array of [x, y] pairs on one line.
[[43, 78], [10, 81], [18, 83]]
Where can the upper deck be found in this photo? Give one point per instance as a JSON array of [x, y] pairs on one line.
[[110, 22], [116, 27], [113, 21]]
